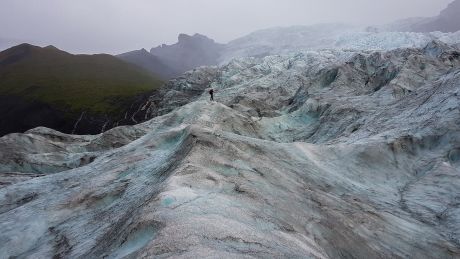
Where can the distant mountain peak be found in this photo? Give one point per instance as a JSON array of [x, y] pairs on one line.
[[189, 52], [22, 46], [17, 53], [183, 37], [26, 47], [195, 38]]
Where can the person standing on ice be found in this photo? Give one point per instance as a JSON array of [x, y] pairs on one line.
[[211, 92]]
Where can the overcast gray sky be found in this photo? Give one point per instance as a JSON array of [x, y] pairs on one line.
[[115, 26]]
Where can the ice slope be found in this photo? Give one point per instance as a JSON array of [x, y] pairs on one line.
[[320, 154]]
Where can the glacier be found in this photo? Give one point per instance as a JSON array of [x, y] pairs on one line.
[[334, 153]]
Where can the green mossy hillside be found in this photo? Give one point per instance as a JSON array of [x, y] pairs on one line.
[[100, 83]]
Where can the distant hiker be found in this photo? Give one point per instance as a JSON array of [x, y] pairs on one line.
[[211, 92]]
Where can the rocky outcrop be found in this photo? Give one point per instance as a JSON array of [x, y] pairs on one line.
[[189, 52], [321, 154]]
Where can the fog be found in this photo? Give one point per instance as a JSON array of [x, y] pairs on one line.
[[115, 26]]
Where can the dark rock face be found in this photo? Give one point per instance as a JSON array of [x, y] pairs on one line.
[[150, 63], [18, 114], [189, 52]]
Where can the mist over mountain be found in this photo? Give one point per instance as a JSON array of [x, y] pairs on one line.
[[114, 27], [198, 50], [447, 21], [182, 57]]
